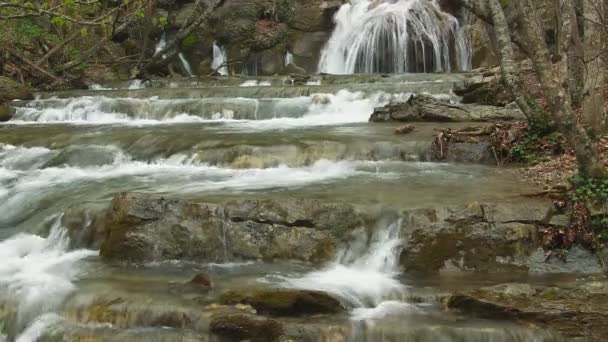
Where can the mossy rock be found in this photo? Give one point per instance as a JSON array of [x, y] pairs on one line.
[[239, 327], [285, 302], [5, 112], [11, 90]]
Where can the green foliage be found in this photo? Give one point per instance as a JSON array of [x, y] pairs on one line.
[[58, 21], [537, 147], [590, 189], [593, 191], [163, 21], [27, 31], [189, 41], [540, 141]]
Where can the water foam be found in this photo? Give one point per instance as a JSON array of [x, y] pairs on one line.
[[363, 280], [36, 273], [320, 109], [219, 60]]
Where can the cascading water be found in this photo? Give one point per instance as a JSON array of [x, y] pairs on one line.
[[394, 36], [36, 274], [161, 45], [288, 58], [219, 60], [363, 274]]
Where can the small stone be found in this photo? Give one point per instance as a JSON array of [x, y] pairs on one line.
[[406, 129], [202, 280]]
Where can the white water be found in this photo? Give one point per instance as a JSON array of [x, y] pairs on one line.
[[394, 36], [25, 191], [288, 58], [256, 83], [161, 45], [185, 64], [362, 279], [219, 60], [36, 273], [344, 107]]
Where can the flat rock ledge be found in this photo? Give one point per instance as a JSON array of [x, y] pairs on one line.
[[473, 238], [577, 311], [426, 108]]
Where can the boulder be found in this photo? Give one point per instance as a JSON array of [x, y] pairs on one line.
[[242, 327], [427, 108], [284, 302], [5, 112], [405, 129], [564, 309], [202, 281], [141, 228], [487, 238], [11, 90], [491, 93]]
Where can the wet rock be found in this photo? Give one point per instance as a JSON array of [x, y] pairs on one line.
[[285, 302], [239, 327], [141, 228], [477, 308], [406, 129], [292, 69], [5, 112], [484, 238], [11, 90], [202, 281], [575, 309], [491, 93], [428, 108], [464, 152]]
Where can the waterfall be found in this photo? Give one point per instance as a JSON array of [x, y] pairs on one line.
[[394, 36], [185, 64], [219, 60], [364, 273], [288, 58], [161, 45]]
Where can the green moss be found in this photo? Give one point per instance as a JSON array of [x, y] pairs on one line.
[[189, 41]]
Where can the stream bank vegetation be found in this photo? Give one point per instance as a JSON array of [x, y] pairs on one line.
[[563, 96], [50, 44]]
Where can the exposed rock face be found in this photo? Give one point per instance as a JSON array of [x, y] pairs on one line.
[[284, 302], [484, 238], [428, 108], [487, 238], [258, 33], [564, 309], [11, 90], [140, 228]]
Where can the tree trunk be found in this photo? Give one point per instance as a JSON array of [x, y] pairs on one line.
[[555, 85], [576, 55], [593, 94], [507, 63]]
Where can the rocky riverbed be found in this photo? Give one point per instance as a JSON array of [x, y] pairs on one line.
[[224, 210]]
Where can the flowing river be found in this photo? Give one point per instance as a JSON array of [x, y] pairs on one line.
[[215, 141]]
